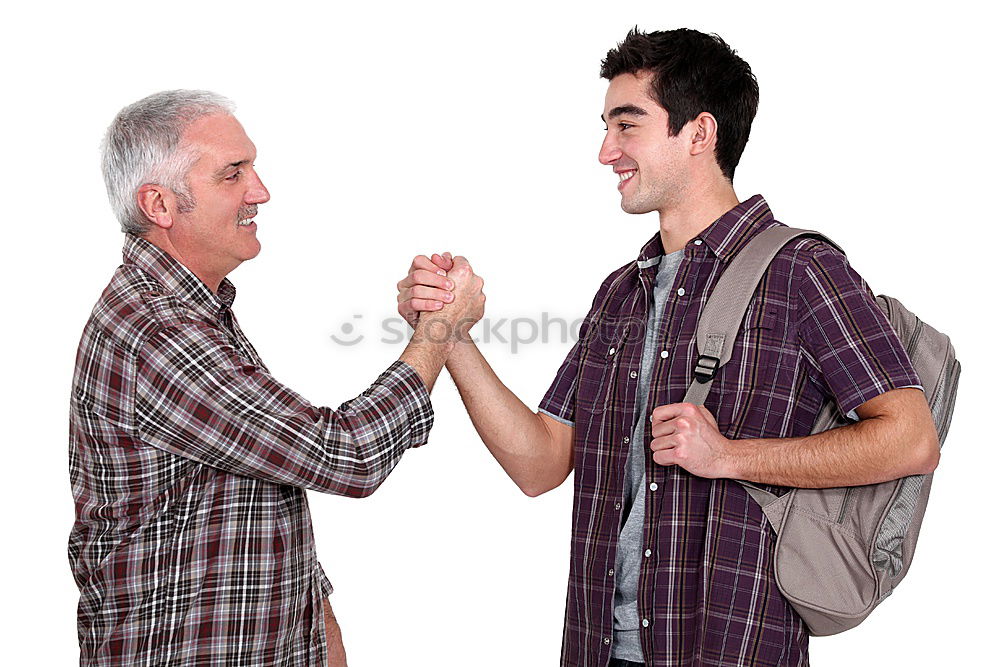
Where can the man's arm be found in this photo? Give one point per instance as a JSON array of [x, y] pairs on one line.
[[196, 397], [895, 437], [535, 450], [852, 351]]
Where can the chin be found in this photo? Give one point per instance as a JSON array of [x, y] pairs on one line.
[[251, 251], [636, 208]]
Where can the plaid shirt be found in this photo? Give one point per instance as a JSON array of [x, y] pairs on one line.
[[189, 463], [707, 593]]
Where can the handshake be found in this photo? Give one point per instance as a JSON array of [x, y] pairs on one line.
[[443, 296]]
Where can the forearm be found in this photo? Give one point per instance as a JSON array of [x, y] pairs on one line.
[[518, 438], [238, 418], [366, 437], [870, 451], [429, 348]]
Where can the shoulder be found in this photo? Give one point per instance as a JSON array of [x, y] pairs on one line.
[[811, 263], [822, 286], [622, 277], [810, 251], [134, 308]]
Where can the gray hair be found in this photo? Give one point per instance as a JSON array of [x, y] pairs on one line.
[[142, 146]]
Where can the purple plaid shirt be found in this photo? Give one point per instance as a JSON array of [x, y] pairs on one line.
[[707, 593], [189, 463]]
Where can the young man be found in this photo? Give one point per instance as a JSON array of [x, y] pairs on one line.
[[671, 560], [189, 462]]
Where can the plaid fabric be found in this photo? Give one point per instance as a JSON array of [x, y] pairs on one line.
[[706, 585], [189, 463]]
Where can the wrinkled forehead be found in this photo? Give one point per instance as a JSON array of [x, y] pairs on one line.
[[219, 139]]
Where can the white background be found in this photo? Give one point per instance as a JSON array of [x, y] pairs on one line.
[[387, 130]]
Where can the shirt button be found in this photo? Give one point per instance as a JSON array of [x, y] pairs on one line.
[[680, 292], [633, 375], [697, 241], [648, 553], [611, 351], [625, 440], [618, 506], [653, 487], [611, 572], [664, 354], [645, 622], [606, 641]]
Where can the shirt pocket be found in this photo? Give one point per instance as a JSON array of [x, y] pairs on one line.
[[760, 324], [602, 349], [761, 359]]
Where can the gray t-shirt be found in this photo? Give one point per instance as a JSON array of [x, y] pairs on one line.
[[626, 644]]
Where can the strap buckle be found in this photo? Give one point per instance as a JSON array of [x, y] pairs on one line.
[[704, 370]]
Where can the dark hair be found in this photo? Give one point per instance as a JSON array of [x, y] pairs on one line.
[[693, 72]]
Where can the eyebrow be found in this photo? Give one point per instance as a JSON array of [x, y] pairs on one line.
[[627, 109], [219, 173]]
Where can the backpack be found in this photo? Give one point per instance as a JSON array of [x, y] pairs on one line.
[[839, 551]]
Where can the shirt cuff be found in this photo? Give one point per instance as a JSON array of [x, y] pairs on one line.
[[404, 383], [556, 417], [853, 413]]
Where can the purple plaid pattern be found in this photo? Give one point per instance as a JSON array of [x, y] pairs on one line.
[[706, 585], [189, 463]]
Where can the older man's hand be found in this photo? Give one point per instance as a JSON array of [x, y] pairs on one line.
[[446, 287], [426, 287]]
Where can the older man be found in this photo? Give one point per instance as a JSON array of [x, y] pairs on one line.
[[189, 462]]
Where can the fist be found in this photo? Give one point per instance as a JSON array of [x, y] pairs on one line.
[[688, 435], [426, 287], [444, 285], [469, 301]]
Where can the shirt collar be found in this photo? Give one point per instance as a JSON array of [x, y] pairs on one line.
[[175, 277], [724, 237]]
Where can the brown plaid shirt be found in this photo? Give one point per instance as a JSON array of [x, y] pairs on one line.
[[707, 593], [189, 464]]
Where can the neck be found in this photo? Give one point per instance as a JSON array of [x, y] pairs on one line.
[[701, 207], [161, 240]]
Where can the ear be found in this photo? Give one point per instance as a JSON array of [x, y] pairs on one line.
[[704, 133], [155, 202]]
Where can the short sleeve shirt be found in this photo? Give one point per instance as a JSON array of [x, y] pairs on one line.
[[813, 332]]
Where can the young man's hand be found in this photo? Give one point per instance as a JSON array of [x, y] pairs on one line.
[[688, 435], [446, 286]]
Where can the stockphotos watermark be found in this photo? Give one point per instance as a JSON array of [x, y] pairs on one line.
[[513, 332]]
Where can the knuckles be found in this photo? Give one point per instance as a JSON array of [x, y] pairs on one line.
[[420, 285]]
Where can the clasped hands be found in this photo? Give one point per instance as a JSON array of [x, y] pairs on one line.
[[447, 291], [683, 434]]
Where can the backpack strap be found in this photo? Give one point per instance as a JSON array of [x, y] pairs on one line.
[[727, 305]]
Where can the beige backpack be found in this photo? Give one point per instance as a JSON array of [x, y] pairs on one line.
[[840, 551]]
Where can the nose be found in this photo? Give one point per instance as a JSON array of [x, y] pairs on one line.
[[609, 149], [257, 193]]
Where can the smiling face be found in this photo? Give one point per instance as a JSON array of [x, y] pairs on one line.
[[219, 233], [651, 166]]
